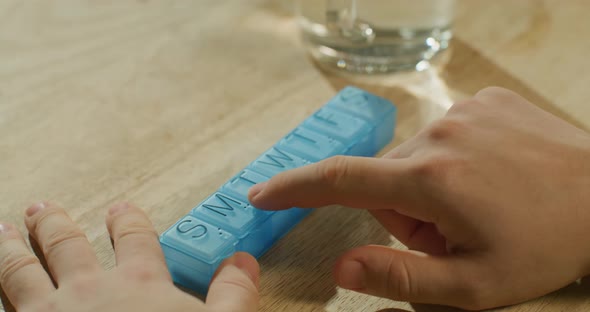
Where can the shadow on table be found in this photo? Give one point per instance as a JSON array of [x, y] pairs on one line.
[[434, 308], [573, 296], [570, 297], [466, 71], [461, 69], [300, 265]]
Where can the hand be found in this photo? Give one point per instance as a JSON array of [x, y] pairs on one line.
[[493, 201], [140, 282]]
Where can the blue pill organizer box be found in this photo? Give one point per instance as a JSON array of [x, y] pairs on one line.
[[354, 123]]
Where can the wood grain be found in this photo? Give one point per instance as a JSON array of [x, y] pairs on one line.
[[160, 102]]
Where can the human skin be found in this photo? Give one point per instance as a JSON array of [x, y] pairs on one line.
[[139, 282], [492, 201]]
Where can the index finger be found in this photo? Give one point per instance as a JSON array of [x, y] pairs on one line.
[[359, 182], [135, 241]]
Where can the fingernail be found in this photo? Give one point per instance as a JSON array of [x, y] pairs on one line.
[[352, 275], [35, 208], [118, 208], [256, 189], [4, 227]]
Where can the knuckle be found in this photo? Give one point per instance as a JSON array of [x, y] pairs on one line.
[[446, 128], [133, 228], [62, 237], [439, 168], [398, 284], [12, 262], [84, 285], [333, 170], [142, 274], [240, 283], [393, 154], [45, 219]]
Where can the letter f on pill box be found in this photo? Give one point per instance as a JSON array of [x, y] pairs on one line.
[[354, 123]]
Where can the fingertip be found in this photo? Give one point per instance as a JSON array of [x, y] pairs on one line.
[[37, 211], [248, 264], [234, 287], [362, 270], [6, 228], [255, 192], [115, 211], [267, 196], [350, 274], [118, 208], [350, 270], [243, 261], [33, 209], [121, 209]]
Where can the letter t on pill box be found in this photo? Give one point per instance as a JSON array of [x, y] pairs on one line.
[[354, 123]]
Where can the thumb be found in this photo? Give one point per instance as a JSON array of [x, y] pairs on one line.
[[234, 286], [409, 276]]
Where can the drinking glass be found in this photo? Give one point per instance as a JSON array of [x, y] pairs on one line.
[[375, 36]]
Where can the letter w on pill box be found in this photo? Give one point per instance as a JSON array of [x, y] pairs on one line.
[[354, 122]]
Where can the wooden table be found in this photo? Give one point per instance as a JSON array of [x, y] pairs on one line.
[[160, 102]]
